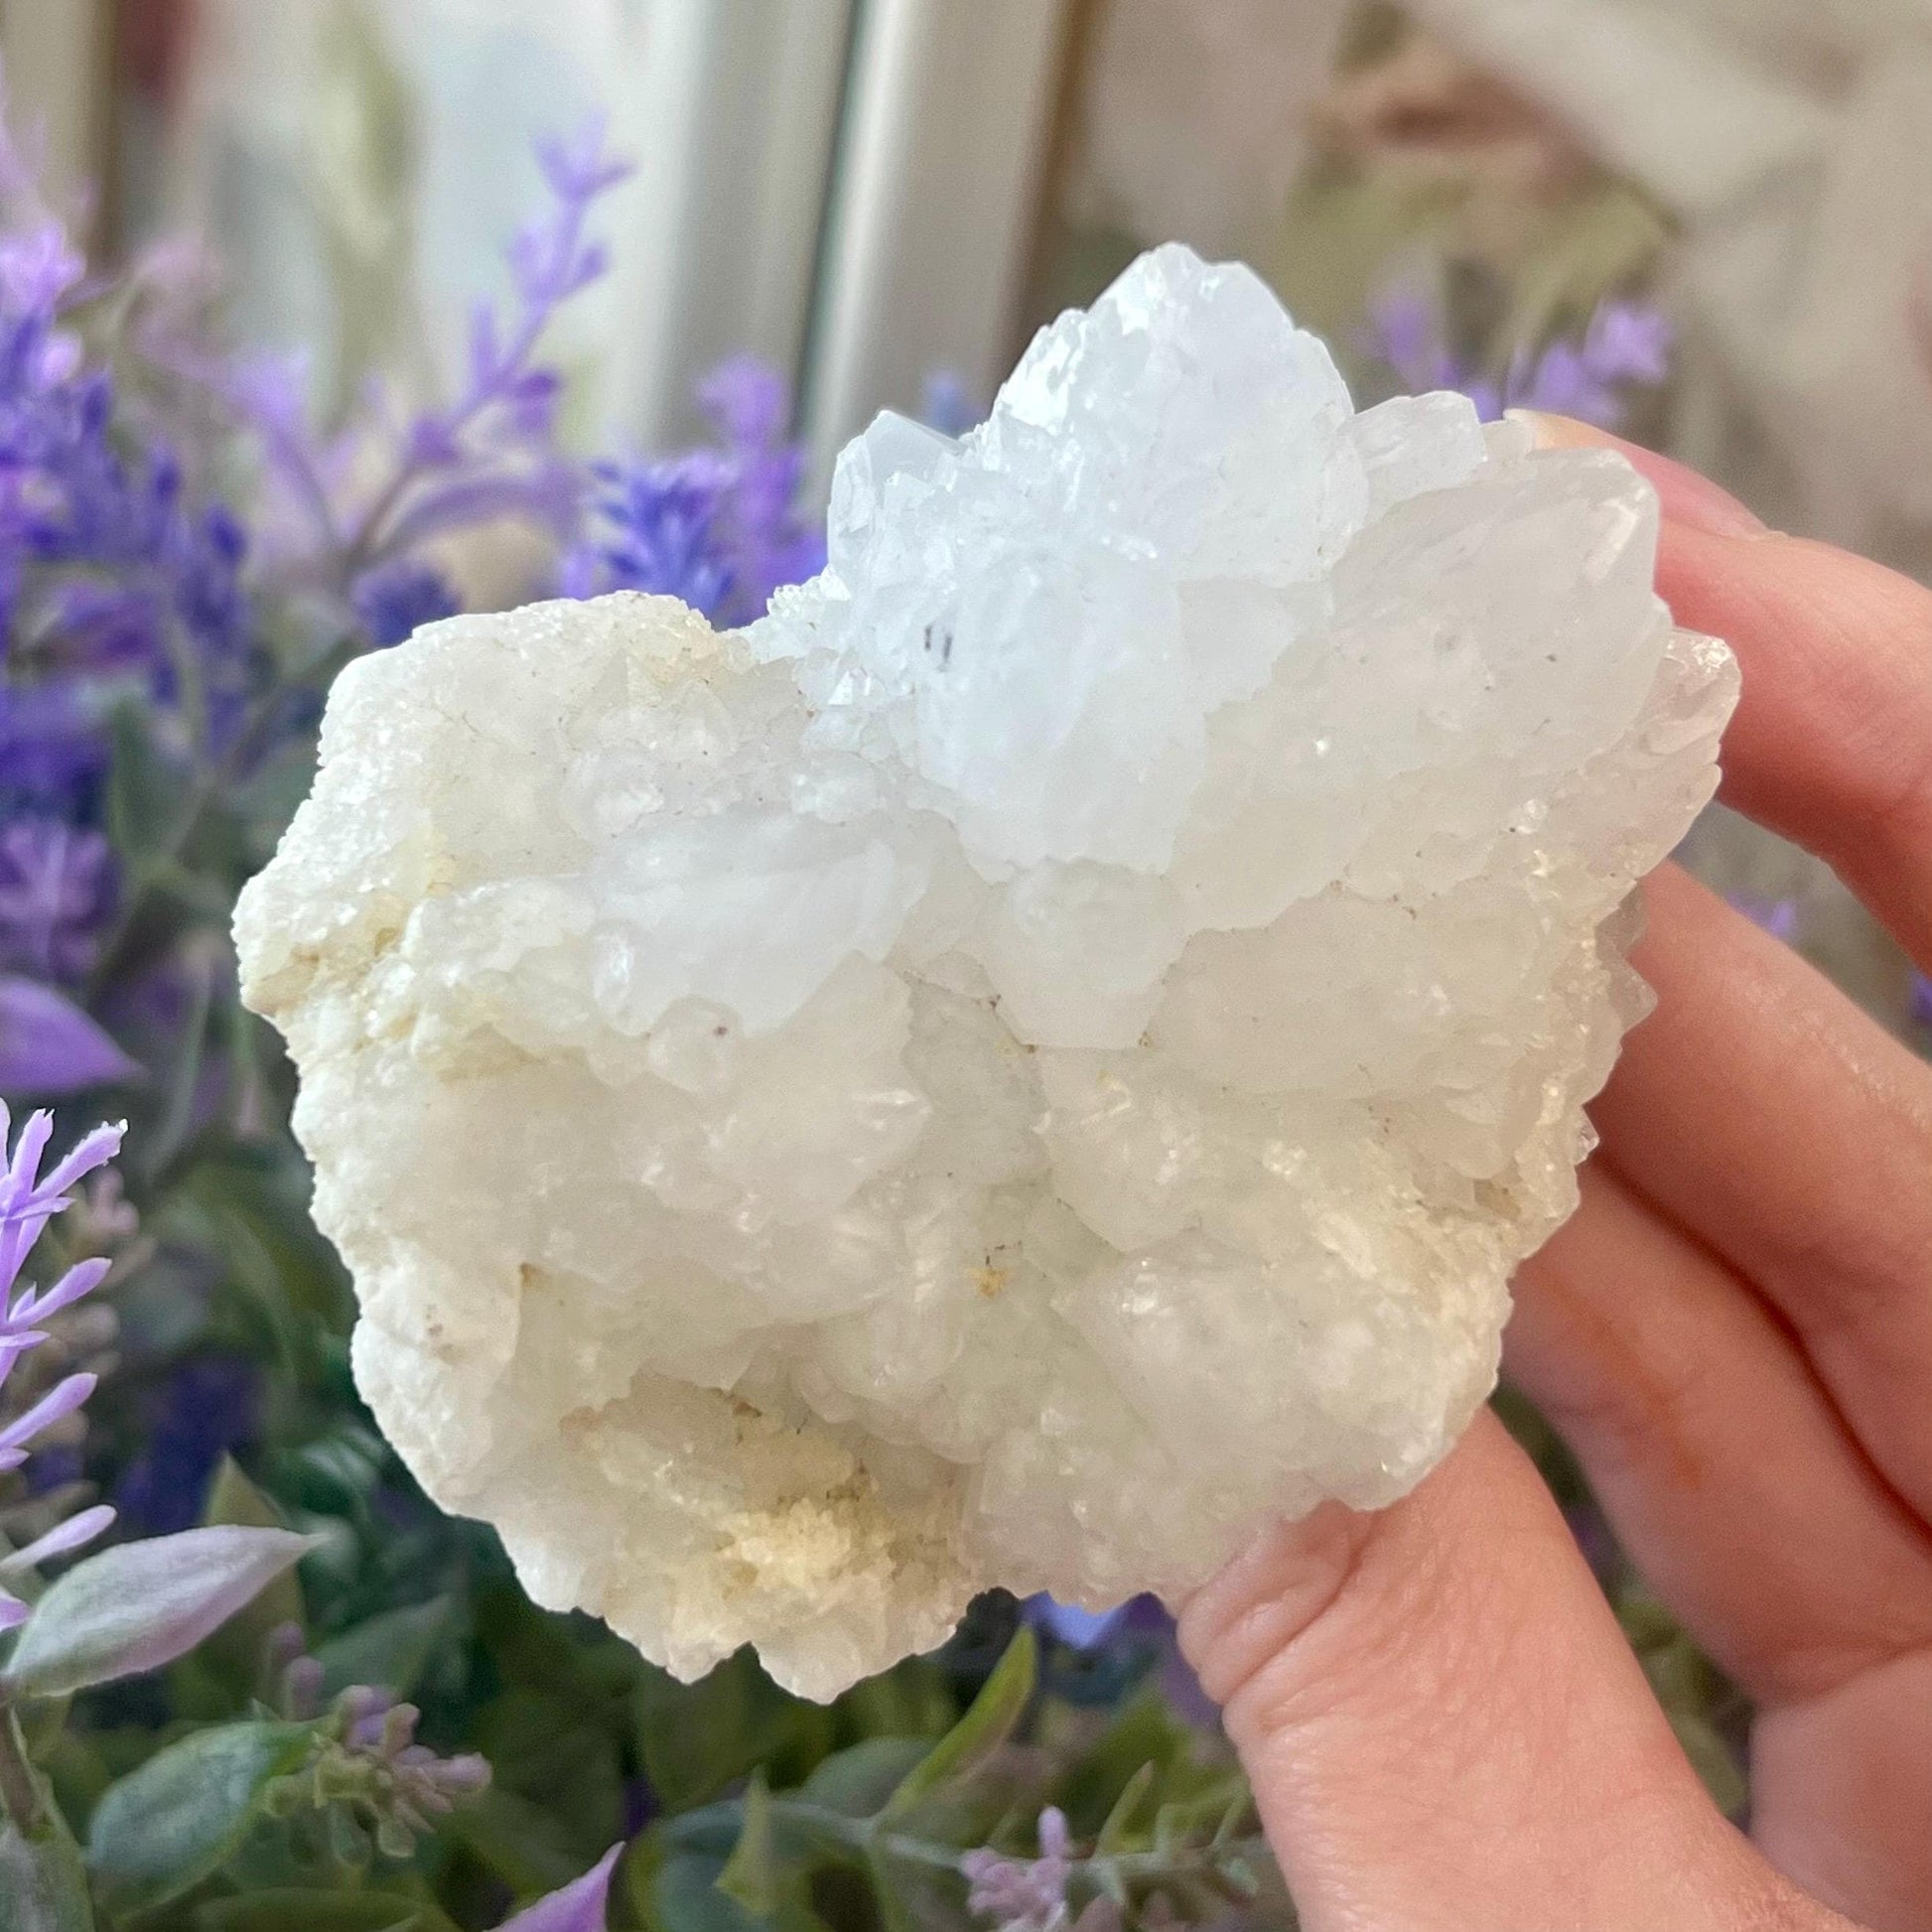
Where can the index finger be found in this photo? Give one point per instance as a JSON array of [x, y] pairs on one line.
[[1832, 742]]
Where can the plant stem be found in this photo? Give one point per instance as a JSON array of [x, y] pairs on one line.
[[1122, 1868], [19, 1791]]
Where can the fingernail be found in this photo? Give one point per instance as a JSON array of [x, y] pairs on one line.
[[1687, 497]]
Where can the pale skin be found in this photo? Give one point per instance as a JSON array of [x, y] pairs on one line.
[[1444, 1727]]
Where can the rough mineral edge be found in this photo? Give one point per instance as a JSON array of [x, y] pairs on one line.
[[1041, 1053]]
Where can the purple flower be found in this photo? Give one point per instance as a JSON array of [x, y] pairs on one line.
[[56, 886], [52, 749], [493, 439], [109, 566], [29, 1200], [1630, 342], [661, 534], [351, 528], [202, 1408], [718, 527], [1069, 1624], [1626, 346], [766, 542], [1921, 1002], [1142, 1627], [946, 405], [1405, 331], [49, 1046], [395, 600]]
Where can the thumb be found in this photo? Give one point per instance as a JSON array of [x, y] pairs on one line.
[[1444, 1727]]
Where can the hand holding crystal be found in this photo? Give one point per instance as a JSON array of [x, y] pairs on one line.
[[1445, 1726]]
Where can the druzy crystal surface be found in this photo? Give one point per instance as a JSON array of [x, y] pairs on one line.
[[1038, 1053]]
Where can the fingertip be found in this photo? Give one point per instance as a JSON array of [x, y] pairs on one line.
[[1687, 497], [1269, 1596]]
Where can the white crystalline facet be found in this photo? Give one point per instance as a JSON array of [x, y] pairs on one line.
[[1041, 1053]]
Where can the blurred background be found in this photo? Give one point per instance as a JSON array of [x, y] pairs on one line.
[[867, 192], [881, 198]]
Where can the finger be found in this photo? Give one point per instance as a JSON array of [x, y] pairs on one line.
[[1684, 494], [1760, 1109], [1726, 1468], [1839, 1797], [1832, 742], [1444, 1727]]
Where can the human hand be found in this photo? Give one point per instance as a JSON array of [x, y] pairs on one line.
[[1444, 1724]]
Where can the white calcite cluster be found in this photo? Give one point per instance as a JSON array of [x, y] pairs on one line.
[[1038, 1053]]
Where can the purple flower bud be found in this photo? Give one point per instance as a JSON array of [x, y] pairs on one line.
[[302, 1687], [82, 1279], [1055, 1842], [468, 1772]]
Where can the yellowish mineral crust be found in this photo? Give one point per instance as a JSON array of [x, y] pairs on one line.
[[1041, 1053]]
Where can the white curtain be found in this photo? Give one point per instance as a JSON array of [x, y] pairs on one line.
[[1792, 142]]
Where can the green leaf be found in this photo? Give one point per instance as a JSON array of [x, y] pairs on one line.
[[1712, 1761], [684, 1897], [988, 1724], [1117, 1832], [147, 795], [43, 1883], [524, 1845], [1143, 1731], [915, 1699], [233, 1499], [1211, 1816], [697, 1739], [916, 1897], [391, 1650], [857, 1782], [237, 1648], [285, 1910], [750, 1873], [250, 1207], [185, 1813], [139, 1606]]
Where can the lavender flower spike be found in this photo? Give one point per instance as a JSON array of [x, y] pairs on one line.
[[55, 885], [719, 527], [488, 453], [1626, 346], [28, 1202]]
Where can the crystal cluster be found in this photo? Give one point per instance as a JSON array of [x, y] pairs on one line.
[[1041, 1052]]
